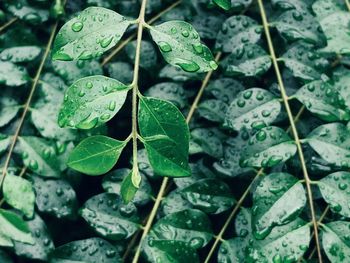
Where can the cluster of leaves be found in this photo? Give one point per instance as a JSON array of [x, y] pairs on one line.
[[263, 164]]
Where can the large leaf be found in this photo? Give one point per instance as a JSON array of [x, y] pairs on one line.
[[334, 20], [180, 46], [96, 155], [324, 100], [91, 101], [335, 241], [90, 34], [19, 193], [237, 31], [13, 228], [332, 143], [335, 190], [109, 217], [272, 202], [247, 61], [40, 156], [268, 147], [252, 108], [86, 251], [167, 153]]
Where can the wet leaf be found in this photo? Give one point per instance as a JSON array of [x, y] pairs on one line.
[[268, 147], [252, 109], [94, 31], [109, 217], [12, 75], [20, 54], [180, 46]]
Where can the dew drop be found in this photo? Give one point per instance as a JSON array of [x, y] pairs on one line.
[[77, 26]]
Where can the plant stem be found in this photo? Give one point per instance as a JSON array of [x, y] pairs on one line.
[[347, 4], [6, 25], [132, 36], [27, 105], [292, 125]]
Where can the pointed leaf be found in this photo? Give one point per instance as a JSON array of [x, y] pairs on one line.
[[90, 34], [180, 46], [224, 4], [96, 155], [91, 101]]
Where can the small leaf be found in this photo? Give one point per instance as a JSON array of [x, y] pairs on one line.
[[12, 75], [213, 110], [18, 192], [209, 195], [268, 147], [91, 101], [180, 46], [20, 54], [272, 202], [335, 190], [39, 156], [13, 228], [109, 217], [304, 62], [224, 4], [114, 182], [324, 100], [247, 61], [55, 197], [96, 155], [332, 143], [89, 35], [8, 109], [334, 21], [43, 245], [87, 250], [127, 189], [252, 109], [237, 31], [335, 241], [166, 136]]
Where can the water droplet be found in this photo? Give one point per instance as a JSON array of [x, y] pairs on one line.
[[164, 46], [33, 164], [89, 85], [112, 105], [213, 64], [185, 33], [105, 42], [187, 65], [261, 136], [77, 26]]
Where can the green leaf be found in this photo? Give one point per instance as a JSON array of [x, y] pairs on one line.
[[148, 56], [285, 243], [334, 21], [8, 109], [177, 74], [267, 148], [252, 109], [128, 190], [43, 244], [247, 61], [180, 46], [109, 217], [272, 204], [232, 250], [304, 62], [91, 101], [224, 89], [323, 100], [86, 251], [13, 228], [89, 35], [334, 189], [12, 75], [208, 141], [55, 197], [291, 25], [113, 182], [20, 54], [209, 195], [27, 12], [237, 31], [335, 241], [166, 136], [96, 155], [341, 78], [332, 143], [19, 193], [40, 156], [224, 4], [213, 110]]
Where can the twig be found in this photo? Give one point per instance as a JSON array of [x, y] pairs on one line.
[[6, 25]]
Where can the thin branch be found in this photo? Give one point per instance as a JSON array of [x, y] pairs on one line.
[[293, 126], [347, 4], [132, 36], [27, 104], [6, 25]]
